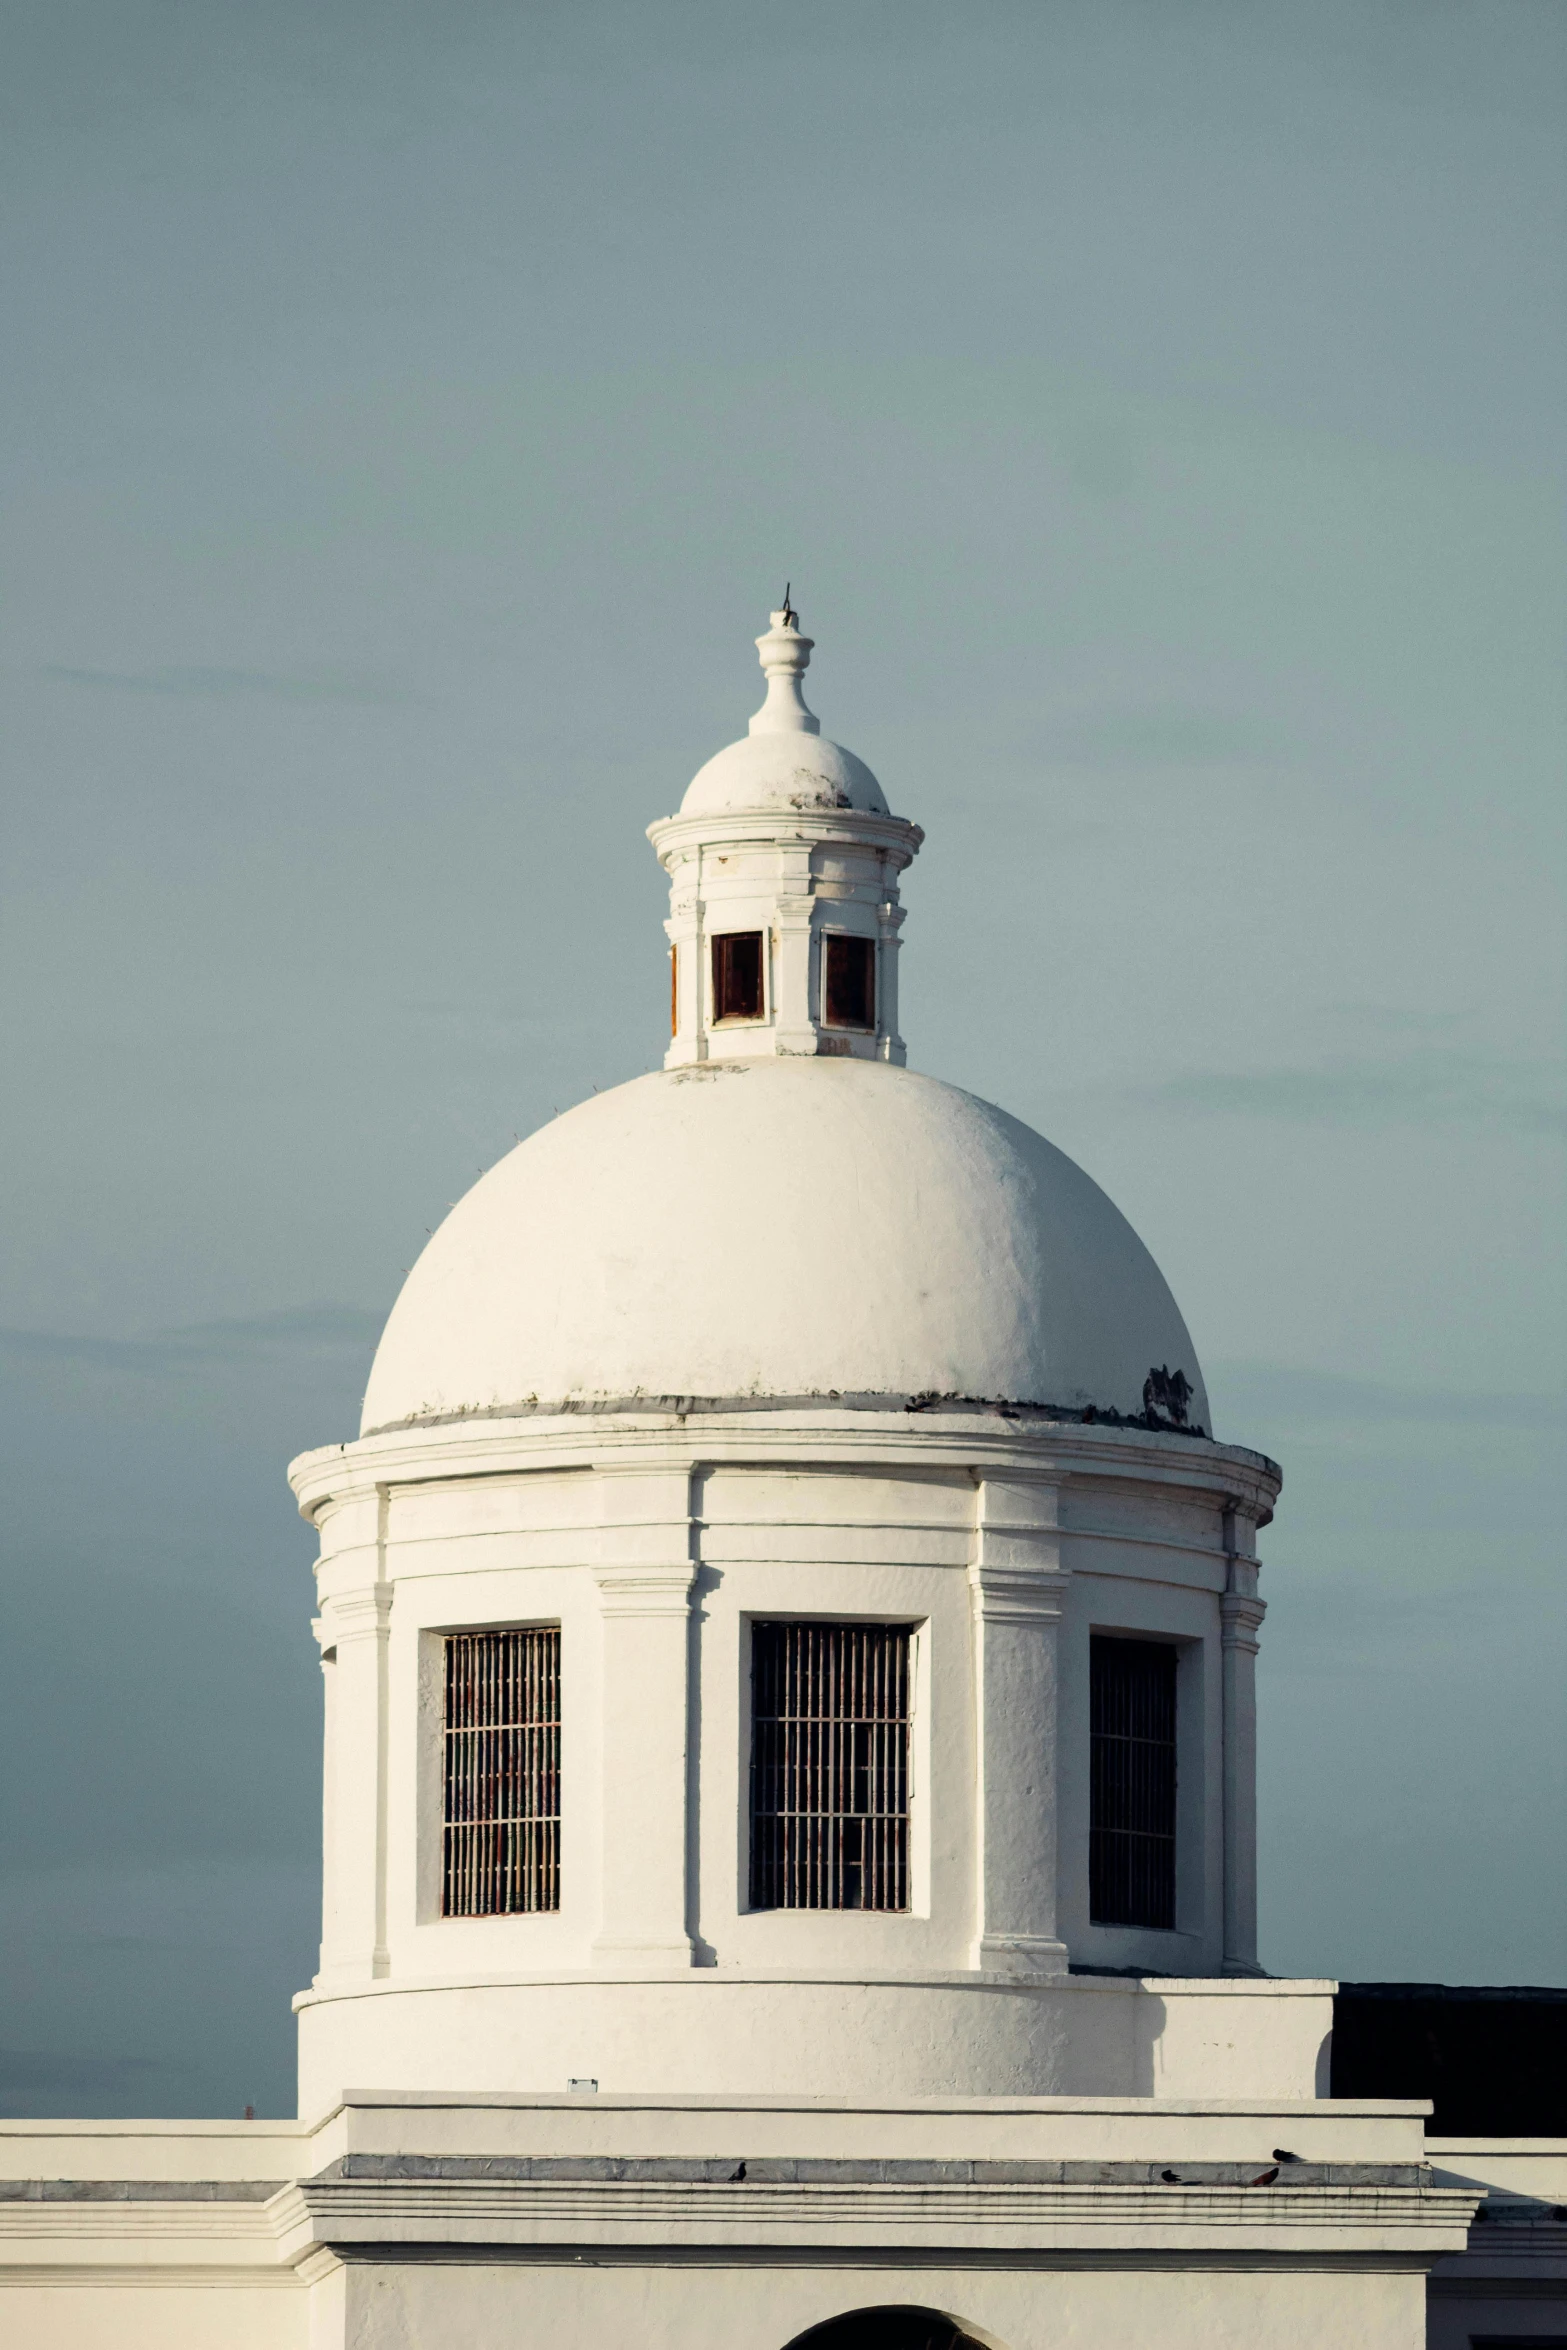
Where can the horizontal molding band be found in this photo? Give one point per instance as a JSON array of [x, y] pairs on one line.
[[57, 2191], [858, 2171], [339, 2212], [708, 1979]]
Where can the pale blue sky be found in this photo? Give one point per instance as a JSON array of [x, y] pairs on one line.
[[409, 415]]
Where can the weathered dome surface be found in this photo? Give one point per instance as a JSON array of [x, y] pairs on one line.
[[783, 770], [780, 1229]]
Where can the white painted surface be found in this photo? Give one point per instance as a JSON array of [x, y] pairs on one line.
[[1535, 2168], [138, 2306], [653, 1541], [714, 2258], [787, 836], [784, 761], [805, 1223], [697, 2031], [791, 772], [744, 2308], [778, 1229], [1175, 2129]]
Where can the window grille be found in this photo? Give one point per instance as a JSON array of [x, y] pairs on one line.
[[500, 1843], [1131, 1859], [737, 975], [829, 1766], [850, 988]]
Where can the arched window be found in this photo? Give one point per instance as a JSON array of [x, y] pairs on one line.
[[888, 2329]]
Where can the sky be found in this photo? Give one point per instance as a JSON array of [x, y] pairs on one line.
[[408, 416]]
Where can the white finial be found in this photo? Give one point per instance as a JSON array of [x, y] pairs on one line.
[[785, 655]]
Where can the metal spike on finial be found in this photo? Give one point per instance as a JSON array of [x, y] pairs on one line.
[[785, 655]]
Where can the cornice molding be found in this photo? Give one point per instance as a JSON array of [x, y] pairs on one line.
[[1240, 1620], [674, 837], [984, 1443], [766, 2209], [1009, 1593], [644, 1587]]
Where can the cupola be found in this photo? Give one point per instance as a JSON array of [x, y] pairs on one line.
[[783, 866], [784, 1612]]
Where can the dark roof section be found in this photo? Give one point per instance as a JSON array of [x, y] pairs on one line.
[[1492, 2059]]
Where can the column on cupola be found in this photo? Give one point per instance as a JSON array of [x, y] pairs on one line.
[[1240, 1618], [645, 1572], [1018, 1588], [797, 1012], [354, 1631], [770, 840], [890, 917]]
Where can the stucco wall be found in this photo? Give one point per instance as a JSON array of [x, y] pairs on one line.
[[741, 2307], [124, 2312], [654, 1543]]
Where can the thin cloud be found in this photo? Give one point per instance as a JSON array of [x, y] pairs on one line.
[[33, 2080], [1278, 1389], [324, 685], [1417, 1088], [298, 1329], [323, 1325]]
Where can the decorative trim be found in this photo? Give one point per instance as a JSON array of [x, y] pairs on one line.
[[1018, 1594], [758, 2205], [882, 1431], [1240, 1620], [364, 1614], [644, 1588], [52, 2192], [714, 1981], [1026, 1957]]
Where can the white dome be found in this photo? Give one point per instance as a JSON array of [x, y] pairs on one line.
[[792, 770], [781, 1229]]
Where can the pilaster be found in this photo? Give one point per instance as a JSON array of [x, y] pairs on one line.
[[890, 917], [330, 1747], [687, 945], [795, 1015], [355, 1633], [1018, 1587], [645, 1573], [1240, 1618]]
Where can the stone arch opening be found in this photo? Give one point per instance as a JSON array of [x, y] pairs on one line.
[[891, 2328]]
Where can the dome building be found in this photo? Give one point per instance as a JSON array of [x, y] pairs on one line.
[[788, 1631], [730, 1391]]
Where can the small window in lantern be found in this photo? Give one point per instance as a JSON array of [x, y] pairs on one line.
[[849, 983], [737, 975]]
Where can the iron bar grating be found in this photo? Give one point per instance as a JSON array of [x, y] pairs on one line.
[[830, 1766], [1131, 1860], [500, 1844]]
